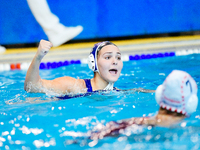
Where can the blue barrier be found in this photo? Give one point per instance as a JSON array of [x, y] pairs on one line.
[[101, 18]]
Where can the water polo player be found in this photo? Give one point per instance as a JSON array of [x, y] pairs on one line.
[[104, 60], [177, 98]]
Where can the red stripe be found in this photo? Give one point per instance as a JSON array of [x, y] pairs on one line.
[[171, 100]]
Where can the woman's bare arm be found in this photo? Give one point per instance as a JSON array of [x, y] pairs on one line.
[[34, 83], [32, 76]]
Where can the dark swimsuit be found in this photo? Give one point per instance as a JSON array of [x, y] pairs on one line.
[[89, 91], [88, 85]]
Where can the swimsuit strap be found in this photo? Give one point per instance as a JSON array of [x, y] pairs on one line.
[[114, 88], [88, 85]]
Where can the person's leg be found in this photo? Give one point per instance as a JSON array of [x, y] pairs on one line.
[[2, 49], [56, 32]]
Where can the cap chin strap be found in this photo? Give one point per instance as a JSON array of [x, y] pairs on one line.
[[109, 86]]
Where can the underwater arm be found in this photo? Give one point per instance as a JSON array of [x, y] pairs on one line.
[[139, 90], [32, 77], [114, 128], [143, 90]]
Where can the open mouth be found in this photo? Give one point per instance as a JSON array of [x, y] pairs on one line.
[[113, 71]]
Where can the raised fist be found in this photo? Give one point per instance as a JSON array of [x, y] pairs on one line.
[[43, 48]]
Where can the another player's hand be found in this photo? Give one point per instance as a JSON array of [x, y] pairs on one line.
[[43, 48]]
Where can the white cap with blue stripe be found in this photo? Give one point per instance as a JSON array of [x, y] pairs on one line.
[[92, 60], [178, 93]]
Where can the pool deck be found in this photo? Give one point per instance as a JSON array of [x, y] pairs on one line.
[[77, 51]]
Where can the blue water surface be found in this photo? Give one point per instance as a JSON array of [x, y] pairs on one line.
[[38, 121]]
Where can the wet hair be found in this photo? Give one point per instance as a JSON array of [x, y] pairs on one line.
[[169, 112]]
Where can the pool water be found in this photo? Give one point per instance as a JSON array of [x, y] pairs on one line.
[[36, 121]]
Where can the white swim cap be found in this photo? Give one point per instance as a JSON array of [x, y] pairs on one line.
[[92, 58], [178, 93]]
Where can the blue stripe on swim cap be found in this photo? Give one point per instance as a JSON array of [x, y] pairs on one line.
[[97, 47]]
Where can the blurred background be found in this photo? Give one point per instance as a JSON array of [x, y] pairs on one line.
[[101, 19]]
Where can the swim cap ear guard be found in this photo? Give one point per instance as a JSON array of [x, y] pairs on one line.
[[192, 104], [158, 93], [91, 62], [178, 93], [92, 58]]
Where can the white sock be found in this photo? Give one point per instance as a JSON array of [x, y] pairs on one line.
[[56, 32]]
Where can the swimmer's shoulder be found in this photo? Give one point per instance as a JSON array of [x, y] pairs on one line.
[[68, 80], [70, 84]]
